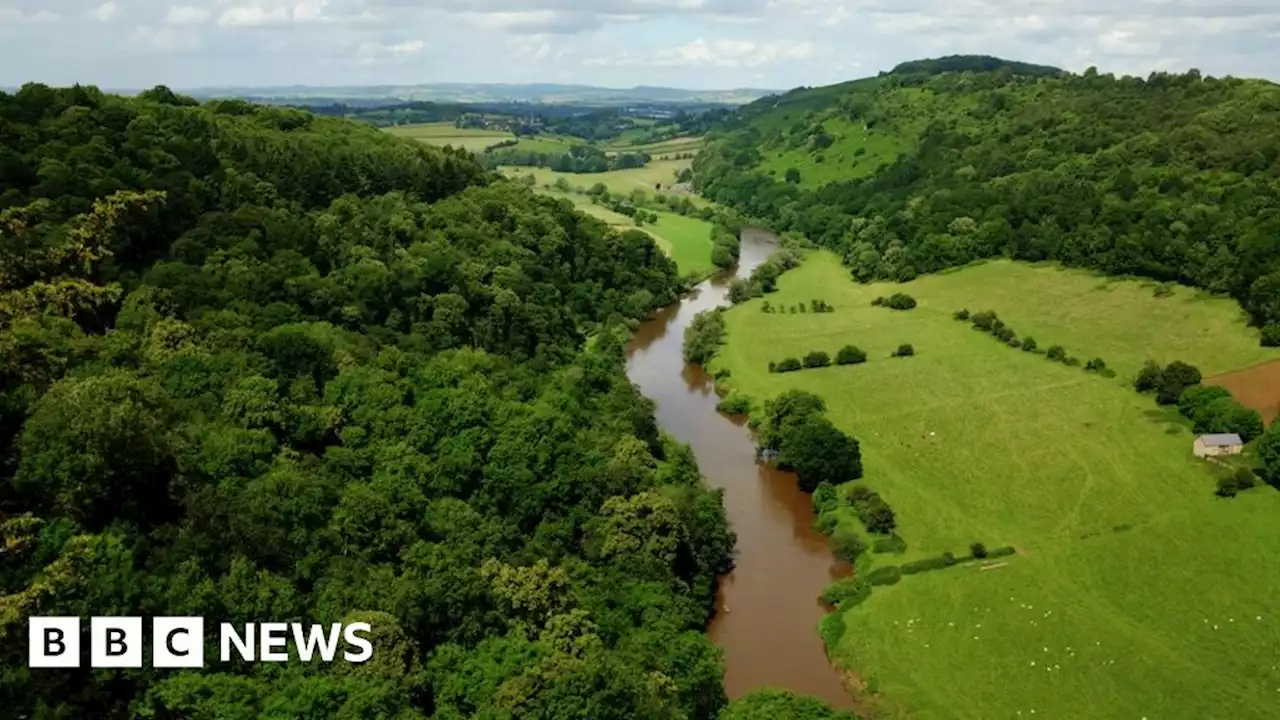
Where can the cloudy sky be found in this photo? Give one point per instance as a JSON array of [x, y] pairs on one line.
[[618, 43]]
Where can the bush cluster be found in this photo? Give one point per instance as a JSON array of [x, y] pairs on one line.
[[1167, 383], [1241, 479], [851, 355], [814, 306], [793, 429], [846, 592], [904, 350], [945, 560], [1212, 410], [896, 301], [764, 279], [892, 544], [987, 321], [887, 575], [848, 355], [817, 359], [704, 336], [847, 546], [872, 510], [735, 404]]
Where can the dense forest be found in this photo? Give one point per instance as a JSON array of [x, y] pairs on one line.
[[263, 365], [1172, 177]]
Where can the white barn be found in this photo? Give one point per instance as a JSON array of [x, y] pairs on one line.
[[1218, 444]]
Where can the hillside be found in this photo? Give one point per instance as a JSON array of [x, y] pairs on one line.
[[262, 366], [1132, 583], [1173, 177]]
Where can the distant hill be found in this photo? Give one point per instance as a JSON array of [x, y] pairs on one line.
[[474, 93], [941, 162], [975, 63]]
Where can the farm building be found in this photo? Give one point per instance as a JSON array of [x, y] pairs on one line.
[[1220, 444]]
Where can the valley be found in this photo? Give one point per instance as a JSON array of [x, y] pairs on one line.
[[1127, 566]]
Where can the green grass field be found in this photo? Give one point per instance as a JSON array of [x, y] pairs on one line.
[[679, 145], [618, 181], [1136, 592], [549, 144], [446, 134], [685, 240]]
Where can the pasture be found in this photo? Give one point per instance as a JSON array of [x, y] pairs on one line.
[[1135, 592], [621, 182], [442, 134], [685, 240]]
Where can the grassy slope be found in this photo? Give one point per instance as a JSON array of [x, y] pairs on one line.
[[618, 181], [685, 240], [446, 134], [1052, 460], [549, 144], [902, 115]]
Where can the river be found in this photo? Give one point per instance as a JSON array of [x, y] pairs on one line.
[[768, 607]]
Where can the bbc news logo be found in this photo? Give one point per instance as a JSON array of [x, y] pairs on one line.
[[178, 642]]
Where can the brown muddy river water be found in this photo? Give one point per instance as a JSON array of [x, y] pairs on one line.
[[768, 607]]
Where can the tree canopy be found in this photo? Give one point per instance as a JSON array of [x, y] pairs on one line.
[[265, 366], [1172, 177]]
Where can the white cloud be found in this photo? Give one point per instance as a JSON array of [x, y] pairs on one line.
[[731, 53], [162, 39], [186, 15], [700, 43], [372, 52], [254, 15], [1127, 42], [537, 21], [106, 12], [249, 16]]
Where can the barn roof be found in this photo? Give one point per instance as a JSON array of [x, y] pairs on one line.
[[1221, 439]]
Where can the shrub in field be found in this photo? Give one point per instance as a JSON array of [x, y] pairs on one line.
[[1029, 344], [904, 350], [900, 301], [1057, 353], [847, 546], [892, 544], [847, 592], [850, 355], [788, 365], [817, 359], [887, 575], [961, 315], [737, 403]]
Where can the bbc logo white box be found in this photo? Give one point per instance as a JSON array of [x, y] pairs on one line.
[[177, 642], [115, 642], [53, 642]]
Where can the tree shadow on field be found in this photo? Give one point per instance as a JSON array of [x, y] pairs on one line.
[[1174, 422]]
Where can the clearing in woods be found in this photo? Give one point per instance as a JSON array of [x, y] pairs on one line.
[[1136, 591], [442, 134], [619, 182], [685, 240]]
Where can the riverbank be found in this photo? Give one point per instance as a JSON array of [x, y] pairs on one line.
[[768, 606]]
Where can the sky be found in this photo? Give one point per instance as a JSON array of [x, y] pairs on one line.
[[702, 44]]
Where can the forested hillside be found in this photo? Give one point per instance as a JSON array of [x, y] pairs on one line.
[[1173, 177], [264, 366]]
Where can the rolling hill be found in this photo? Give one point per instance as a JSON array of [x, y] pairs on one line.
[[1172, 177]]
